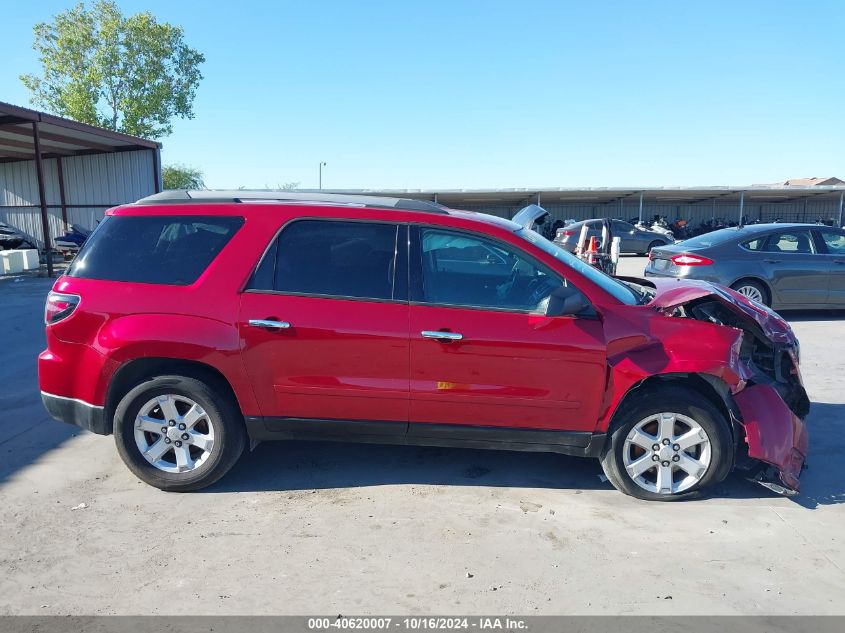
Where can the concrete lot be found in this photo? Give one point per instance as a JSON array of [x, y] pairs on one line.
[[310, 528]]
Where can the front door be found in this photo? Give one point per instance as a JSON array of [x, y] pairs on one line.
[[482, 351], [324, 324]]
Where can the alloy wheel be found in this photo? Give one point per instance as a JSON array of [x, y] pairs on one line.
[[666, 453], [751, 292], [174, 433]]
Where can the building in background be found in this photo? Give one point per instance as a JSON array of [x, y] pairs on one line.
[[798, 200], [55, 172]]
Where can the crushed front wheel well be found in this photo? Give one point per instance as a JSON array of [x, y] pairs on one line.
[[135, 371]]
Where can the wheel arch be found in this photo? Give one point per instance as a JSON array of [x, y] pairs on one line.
[[711, 387], [758, 280], [135, 371]]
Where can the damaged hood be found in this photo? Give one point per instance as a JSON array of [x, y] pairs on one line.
[[671, 293]]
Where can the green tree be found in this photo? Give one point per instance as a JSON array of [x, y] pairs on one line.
[[131, 73], [182, 177]]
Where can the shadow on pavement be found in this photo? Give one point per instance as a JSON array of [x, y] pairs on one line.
[[26, 430], [299, 465], [812, 315], [296, 465]]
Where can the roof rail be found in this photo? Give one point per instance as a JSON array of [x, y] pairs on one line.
[[183, 196]]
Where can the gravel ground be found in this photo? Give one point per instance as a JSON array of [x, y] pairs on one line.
[[301, 528]]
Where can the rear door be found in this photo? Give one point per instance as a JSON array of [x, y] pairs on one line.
[[324, 325], [795, 271], [833, 249], [482, 352]]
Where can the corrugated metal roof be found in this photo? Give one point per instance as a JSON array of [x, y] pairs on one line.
[[58, 136]]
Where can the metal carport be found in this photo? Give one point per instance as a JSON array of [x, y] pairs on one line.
[[59, 167]]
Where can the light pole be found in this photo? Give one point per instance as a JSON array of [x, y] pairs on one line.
[[320, 166]]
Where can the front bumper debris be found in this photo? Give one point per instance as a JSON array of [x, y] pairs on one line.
[[774, 435]]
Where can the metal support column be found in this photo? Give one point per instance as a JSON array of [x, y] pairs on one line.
[[157, 170], [641, 207], [42, 198], [841, 197], [62, 200], [741, 206]]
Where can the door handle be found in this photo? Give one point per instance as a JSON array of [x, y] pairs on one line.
[[838, 261], [772, 261], [269, 324], [443, 337]]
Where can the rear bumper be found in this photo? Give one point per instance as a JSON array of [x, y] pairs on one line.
[[87, 416], [774, 434]]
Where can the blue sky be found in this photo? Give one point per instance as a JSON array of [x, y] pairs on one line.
[[454, 94]]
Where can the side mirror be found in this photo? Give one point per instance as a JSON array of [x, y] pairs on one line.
[[566, 300]]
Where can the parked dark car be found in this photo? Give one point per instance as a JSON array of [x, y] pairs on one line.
[[779, 265], [193, 323], [633, 239]]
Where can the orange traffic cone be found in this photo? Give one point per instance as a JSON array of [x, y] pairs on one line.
[[592, 250]]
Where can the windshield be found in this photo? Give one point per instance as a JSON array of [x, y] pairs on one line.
[[619, 290]]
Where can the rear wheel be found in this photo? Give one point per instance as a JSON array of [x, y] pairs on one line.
[[753, 290], [177, 433], [668, 445]]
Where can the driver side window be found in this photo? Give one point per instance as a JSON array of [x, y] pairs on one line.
[[460, 269]]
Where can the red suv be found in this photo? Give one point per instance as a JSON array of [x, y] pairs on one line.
[[193, 322]]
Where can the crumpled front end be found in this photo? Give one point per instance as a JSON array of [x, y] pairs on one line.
[[771, 401]]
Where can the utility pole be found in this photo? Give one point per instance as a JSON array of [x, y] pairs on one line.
[[320, 166]]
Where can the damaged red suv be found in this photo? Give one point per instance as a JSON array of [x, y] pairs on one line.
[[194, 323]]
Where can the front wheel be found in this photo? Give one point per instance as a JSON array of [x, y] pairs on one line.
[[668, 445], [177, 433]]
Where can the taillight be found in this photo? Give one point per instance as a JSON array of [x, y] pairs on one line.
[[59, 307], [686, 259]]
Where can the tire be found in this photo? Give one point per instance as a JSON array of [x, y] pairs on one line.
[[215, 424], [751, 288], [685, 404]]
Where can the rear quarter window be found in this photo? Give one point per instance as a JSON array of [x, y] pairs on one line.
[[170, 250], [755, 244]]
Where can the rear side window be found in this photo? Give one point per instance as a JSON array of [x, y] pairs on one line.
[[332, 258], [790, 242], [170, 250], [755, 245]]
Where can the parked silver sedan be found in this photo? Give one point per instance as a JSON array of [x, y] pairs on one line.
[[633, 240], [780, 265]]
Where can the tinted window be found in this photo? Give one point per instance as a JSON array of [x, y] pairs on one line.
[[461, 269], [835, 242], [622, 227], [339, 259], [790, 242], [173, 250]]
